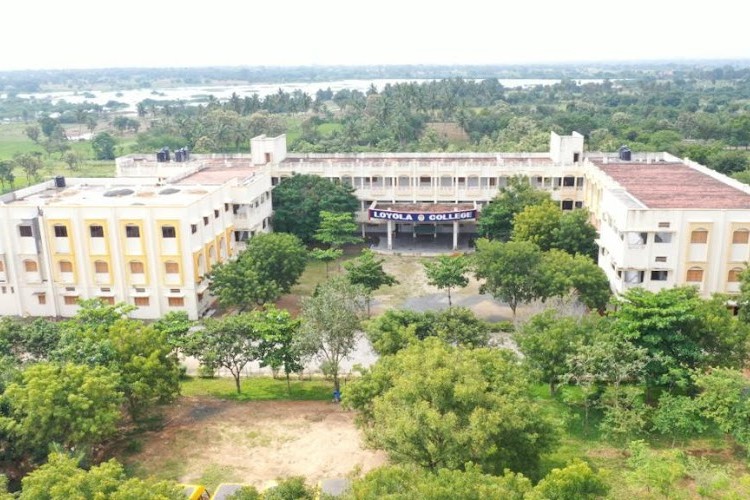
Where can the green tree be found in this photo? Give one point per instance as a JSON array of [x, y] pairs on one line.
[[175, 326], [397, 328], [331, 322], [62, 477], [299, 200], [337, 229], [447, 272], [548, 340], [278, 347], [30, 163], [678, 417], [660, 471], [459, 326], [367, 271], [269, 266], [406, 482], [103, 145], [74, 405], [101, 335], [291, 488], [326, 255], [6, 173], [72, 160], [32, 132], [496, 221], [723, 400], [538, 224], [577, 481], [576, 235], [439, 406], [231, 342], [563, 273], [511, 271]]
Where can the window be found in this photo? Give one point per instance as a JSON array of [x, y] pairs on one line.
[[141, 301], [42, 298], [193, 228], [108, 300], [70, 300], [61, 232], [569, 181], [140, 290], [699, 236], [96, 231], [216, 214], [567, 205], [66, 266], [734, 275], [740, 236], [101, 267], [659, 275], [579, 204], [662, 237], [172, 267], [25, 231], [176, 301], [664, 224], [2, 266], [205, 221], [30, 266], [661, 259], [168, 232], [226, 207], [136, 267], [132, 231], [694, 275]]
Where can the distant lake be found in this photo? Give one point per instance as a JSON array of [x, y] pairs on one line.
[[198, 94]]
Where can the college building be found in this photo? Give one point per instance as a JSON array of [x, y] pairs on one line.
[[150, 235]]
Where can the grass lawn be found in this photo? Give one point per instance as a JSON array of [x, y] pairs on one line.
[[258, 389]]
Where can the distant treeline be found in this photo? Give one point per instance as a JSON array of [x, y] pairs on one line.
[[129, 78]]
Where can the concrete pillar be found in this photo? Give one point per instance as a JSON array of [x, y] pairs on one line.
[[390, 235], [455, 236]]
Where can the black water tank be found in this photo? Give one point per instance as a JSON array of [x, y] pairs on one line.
[[59, 181], [624, 153]]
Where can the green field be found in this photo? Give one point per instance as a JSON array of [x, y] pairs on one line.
[[259, 389]]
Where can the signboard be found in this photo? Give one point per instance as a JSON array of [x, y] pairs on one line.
[[417, 217]]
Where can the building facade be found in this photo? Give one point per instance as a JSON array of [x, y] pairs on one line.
[[150, 236]]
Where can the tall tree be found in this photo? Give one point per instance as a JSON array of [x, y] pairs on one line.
[[231, 343], [103, 145], [30, 163], [337, 229], [269, 266], [279, 348], [477, 410], [367, 270], [76, 406], [510, 271], [496, 220], [331, 322], [447, 272], [6, 173], [299, 200]]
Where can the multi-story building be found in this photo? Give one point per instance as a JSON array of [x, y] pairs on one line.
[[149, 236], [146, 241]]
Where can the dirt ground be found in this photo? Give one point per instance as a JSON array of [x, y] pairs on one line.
[[208, 441]]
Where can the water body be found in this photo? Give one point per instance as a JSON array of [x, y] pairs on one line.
[[197, 94]]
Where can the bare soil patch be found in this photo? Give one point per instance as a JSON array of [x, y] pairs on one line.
[[207, 440]]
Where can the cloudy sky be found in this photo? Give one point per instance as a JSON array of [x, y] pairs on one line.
[[107, 33]]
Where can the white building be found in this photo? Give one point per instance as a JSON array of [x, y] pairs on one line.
[[149, 236]]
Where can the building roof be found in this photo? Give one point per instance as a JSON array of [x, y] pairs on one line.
[[219, 175], [411, 158], [675, 185]]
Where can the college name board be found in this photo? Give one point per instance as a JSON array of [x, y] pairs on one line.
[[460, 215]]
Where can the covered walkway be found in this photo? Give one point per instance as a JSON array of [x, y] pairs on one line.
[[423, 244]]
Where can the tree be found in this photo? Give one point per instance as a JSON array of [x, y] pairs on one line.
[[723, 400], [496, 221], [278, 347], [402, 482], [438, 406], [331, 321], [547, 341], [367, 270], [510, 271], [62, 477], [538, 224], [459, 326], [175, 326], [102, 335], [677, 416], [103, 145], [326, 255], [231, 342], [6, 173], [76, 406], [396, 329], [659, 471], [337, 229], [563, 273], [268, 267], [291, 488], [577, 481], [73, 160], [576, 235], [29, 163], [32, 132], [299, 200], [447, 272]]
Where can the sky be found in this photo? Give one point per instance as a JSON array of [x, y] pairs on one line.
[[56, 34]]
